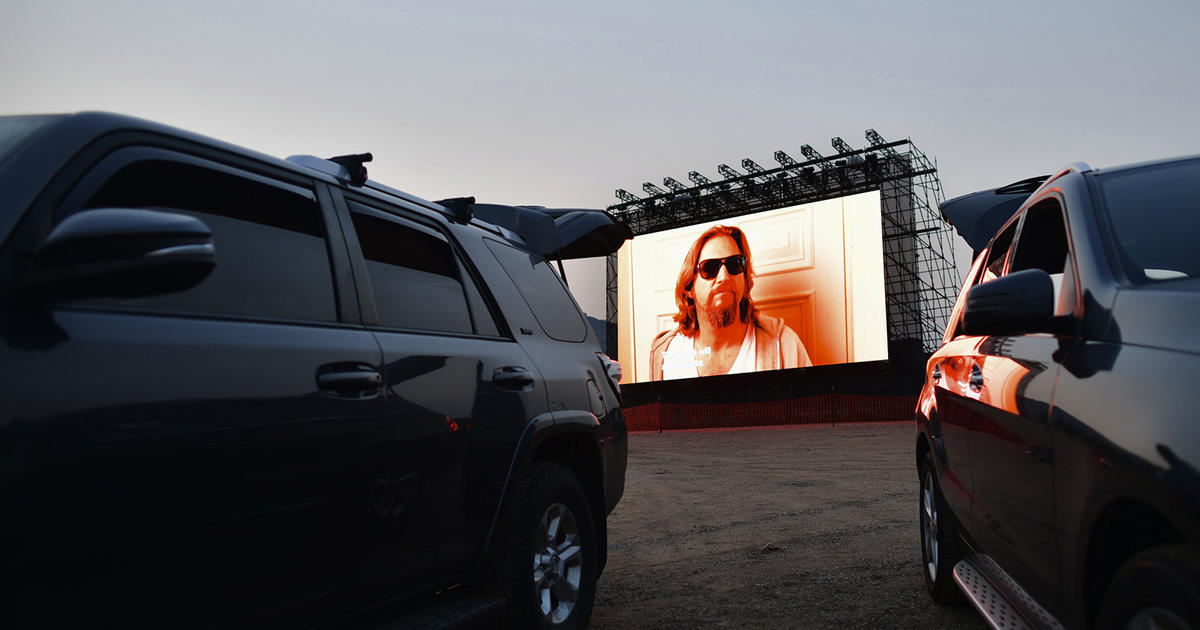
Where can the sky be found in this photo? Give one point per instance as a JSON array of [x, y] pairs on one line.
[[561, 103]]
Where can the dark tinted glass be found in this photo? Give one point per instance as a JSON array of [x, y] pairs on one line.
[[734, 265], [997, 254], [414, 276], [1043, 242], [272, 258], [485, 324], [1155, 216], [544, 292]]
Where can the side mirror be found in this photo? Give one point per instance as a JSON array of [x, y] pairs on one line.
[[1021, 302], [122, 252]]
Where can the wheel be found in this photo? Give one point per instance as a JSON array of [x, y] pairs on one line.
[[547, 571], [1158, 588], [939, 544]]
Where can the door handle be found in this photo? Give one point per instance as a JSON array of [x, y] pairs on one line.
[[513, 377], [976, 381], [349, 380]]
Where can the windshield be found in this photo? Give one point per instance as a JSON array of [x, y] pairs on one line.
[[14, 129], [1155, 215]]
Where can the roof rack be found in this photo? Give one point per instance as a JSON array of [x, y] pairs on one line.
[[562, 233], [347, 169]]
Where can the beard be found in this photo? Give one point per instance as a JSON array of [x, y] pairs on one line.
[[723, 316]]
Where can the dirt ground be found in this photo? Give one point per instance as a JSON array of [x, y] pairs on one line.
[[777, 527]]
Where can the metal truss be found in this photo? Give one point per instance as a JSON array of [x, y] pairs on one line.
[[920, 277]]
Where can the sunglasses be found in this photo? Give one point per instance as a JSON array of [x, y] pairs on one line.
[[709, 268]]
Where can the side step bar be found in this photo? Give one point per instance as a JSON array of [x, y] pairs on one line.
[[978, 576]]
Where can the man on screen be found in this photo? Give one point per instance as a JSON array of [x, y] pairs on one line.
[[719, 330]]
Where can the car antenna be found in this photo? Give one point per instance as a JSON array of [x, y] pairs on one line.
[[354, 163]]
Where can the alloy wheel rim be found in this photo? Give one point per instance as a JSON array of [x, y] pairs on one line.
[[929, 527], [557, 563]]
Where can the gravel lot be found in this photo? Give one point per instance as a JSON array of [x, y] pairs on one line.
[[779, 527]]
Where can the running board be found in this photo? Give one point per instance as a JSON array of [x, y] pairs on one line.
[[972, 575]]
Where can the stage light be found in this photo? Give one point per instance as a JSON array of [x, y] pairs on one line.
[[727, 171], [626, 196], [652, 190], [674, 184]]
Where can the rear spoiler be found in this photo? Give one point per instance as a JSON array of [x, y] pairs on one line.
[[556, 233], [979, 215]]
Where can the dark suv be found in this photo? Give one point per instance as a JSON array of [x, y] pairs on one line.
[[1058, 430], [240, 390]]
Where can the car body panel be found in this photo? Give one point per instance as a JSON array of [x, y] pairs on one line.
[[133, 480]]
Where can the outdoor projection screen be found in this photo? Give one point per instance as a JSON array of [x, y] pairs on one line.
[[818, 267]]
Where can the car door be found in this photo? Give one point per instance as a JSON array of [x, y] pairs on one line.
[[1012, 451], [957, 387], [458, 394], [189, 455]]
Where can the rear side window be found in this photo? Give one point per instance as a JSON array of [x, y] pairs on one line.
[[1043, 242], [1154, 212], [543, 291], [416, 279], [272, 256], [998, 253]]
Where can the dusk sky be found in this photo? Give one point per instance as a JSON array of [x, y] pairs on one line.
[[560, 103]]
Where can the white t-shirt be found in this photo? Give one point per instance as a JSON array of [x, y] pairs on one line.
[[681, 360]]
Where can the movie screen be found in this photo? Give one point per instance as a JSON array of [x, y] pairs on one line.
[[780, 289]]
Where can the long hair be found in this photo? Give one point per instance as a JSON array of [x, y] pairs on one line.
[[686, 316]]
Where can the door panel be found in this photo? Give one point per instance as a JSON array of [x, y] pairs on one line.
[[452, 421], [173, 466], [1012, 456], [954, 395]]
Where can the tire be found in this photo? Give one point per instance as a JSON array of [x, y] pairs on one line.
[[939, 543], [548, 568], [1157, 588]]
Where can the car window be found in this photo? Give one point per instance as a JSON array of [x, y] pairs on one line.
[[1155, 218], [543, 291], [1043, 244], [415, 277], [1043, 241], [955, 319], [998, 253], [272, 255]]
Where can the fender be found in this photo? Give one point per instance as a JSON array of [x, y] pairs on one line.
[[537, 431]]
